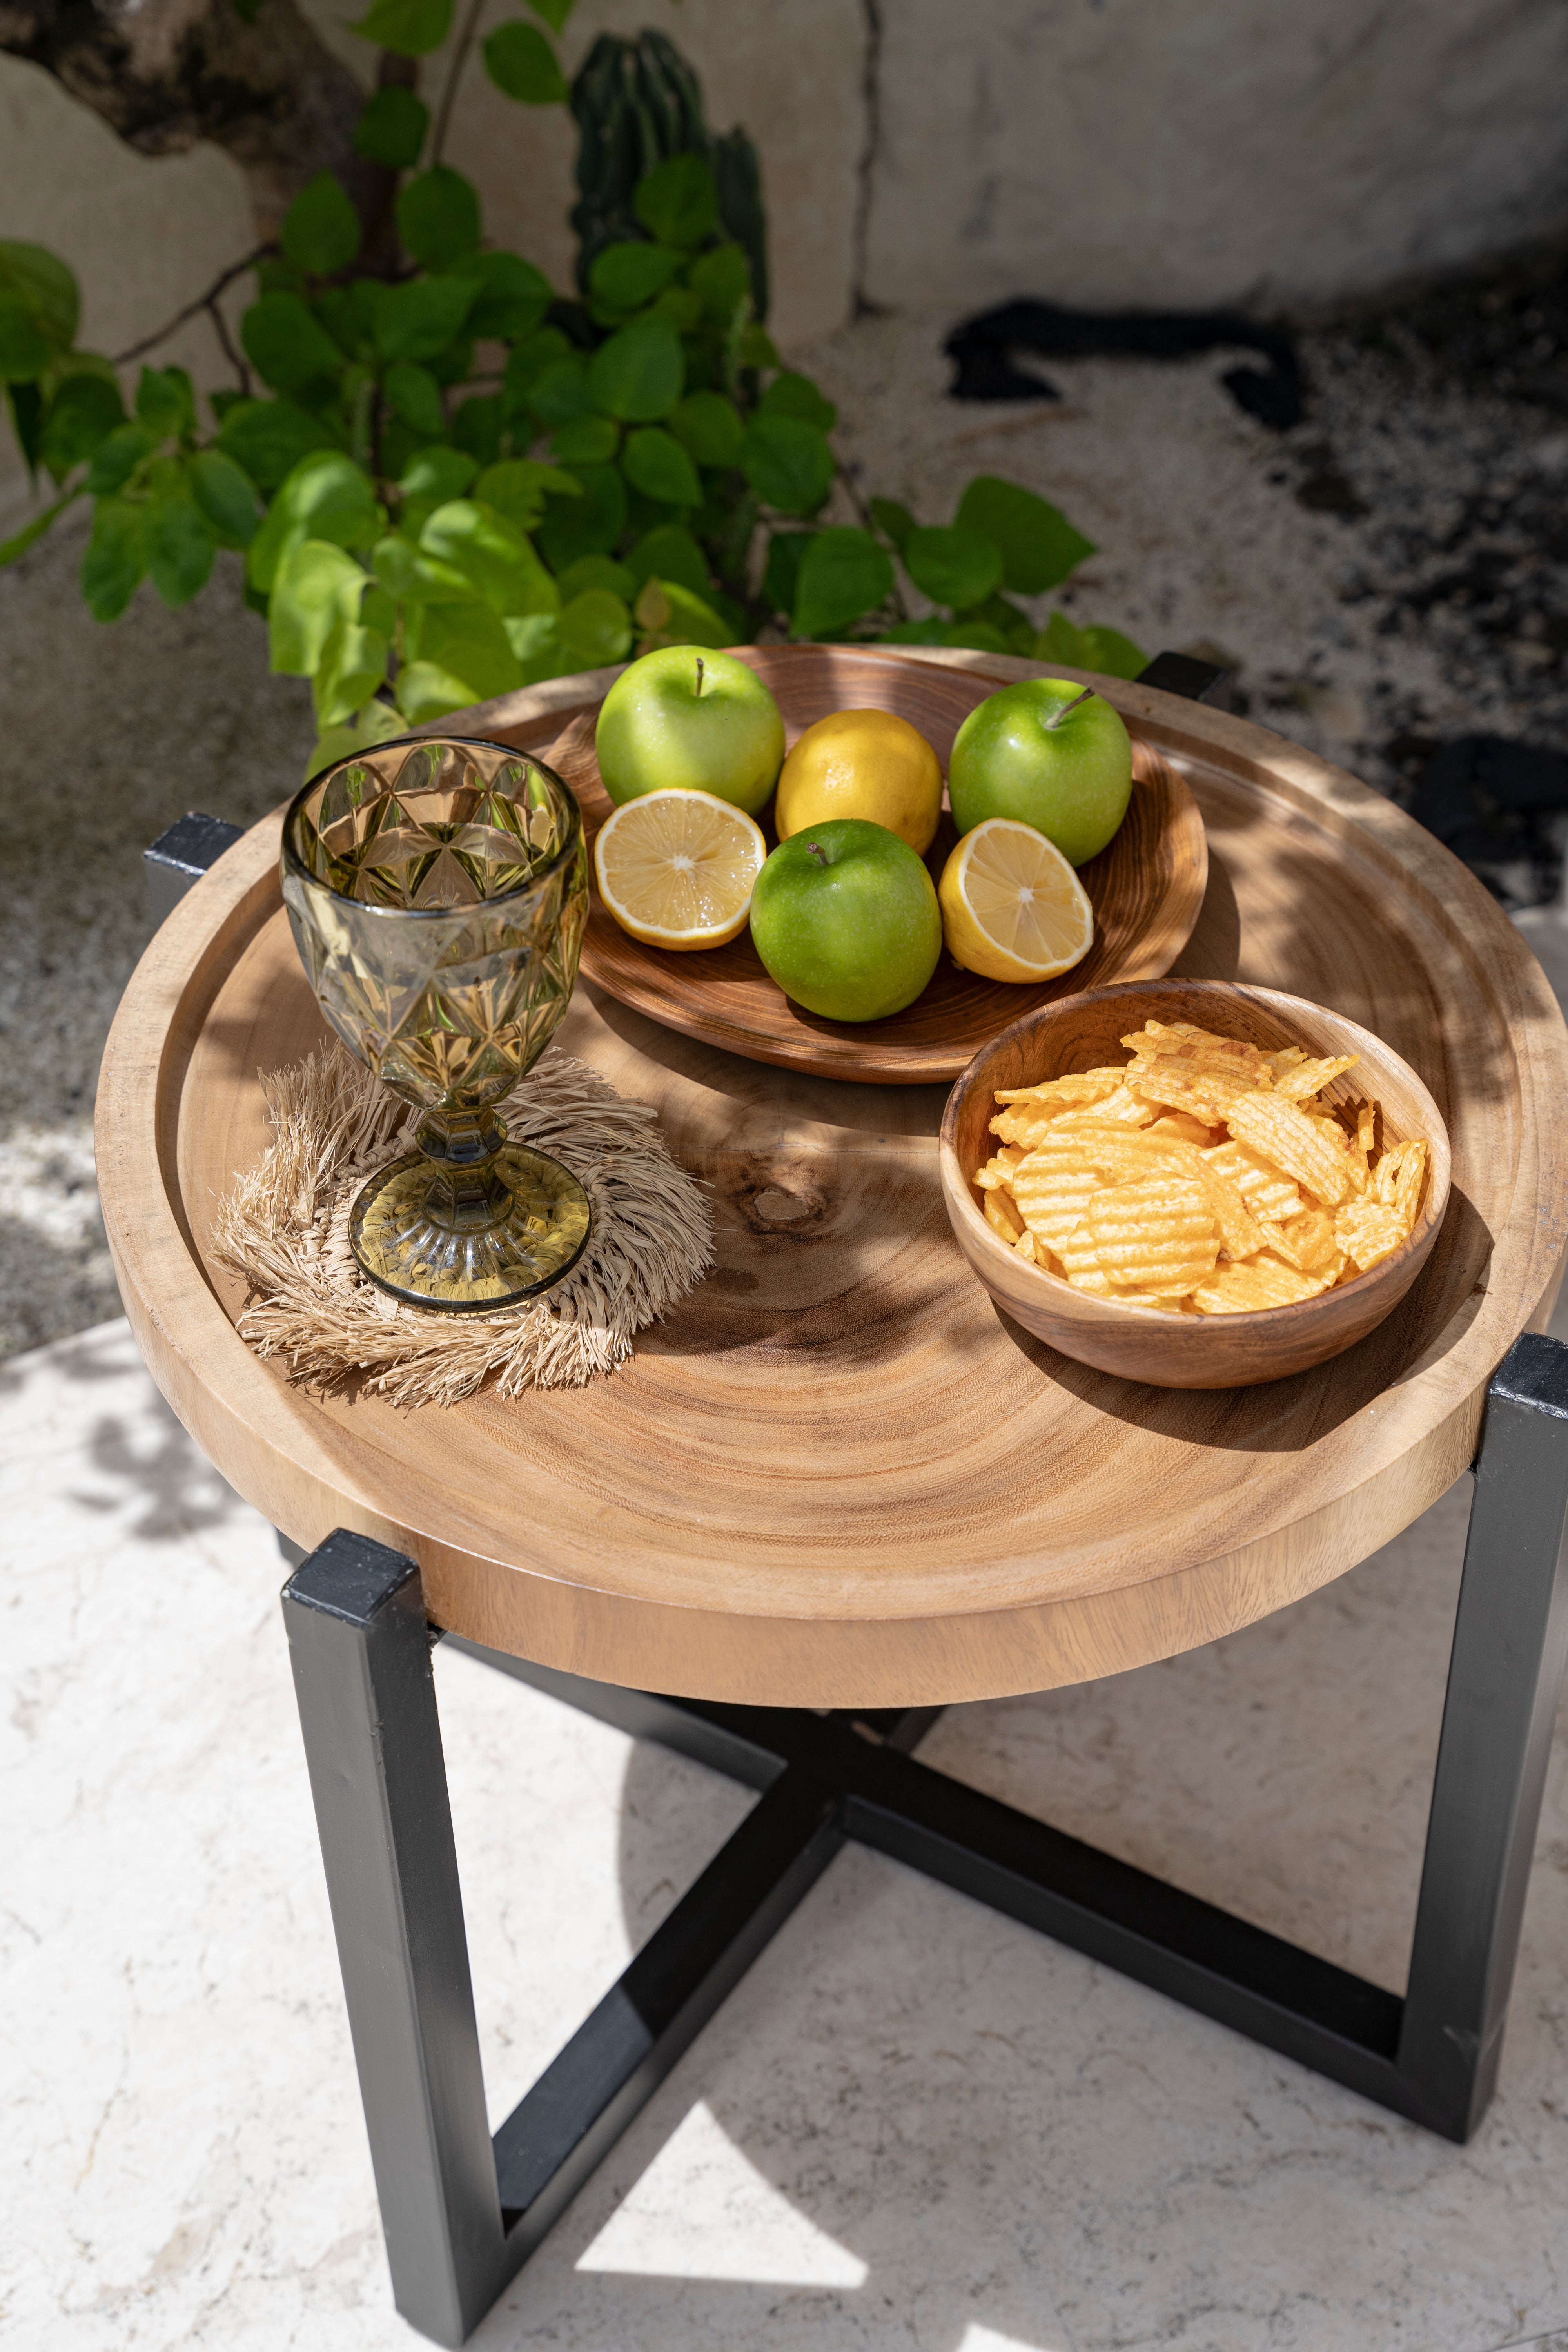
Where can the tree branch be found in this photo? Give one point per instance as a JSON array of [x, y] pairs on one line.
[[454, 75], [207, 301]]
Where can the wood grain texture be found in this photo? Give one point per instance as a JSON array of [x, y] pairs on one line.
[[1208, 1352], [1146, 889], [838, 1475]]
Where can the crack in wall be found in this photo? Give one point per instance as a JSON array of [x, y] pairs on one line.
[[861, 303]]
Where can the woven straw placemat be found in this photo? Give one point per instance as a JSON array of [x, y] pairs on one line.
[[283, 1230]]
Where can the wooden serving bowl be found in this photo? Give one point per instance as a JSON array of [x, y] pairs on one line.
[[1141, 1343]]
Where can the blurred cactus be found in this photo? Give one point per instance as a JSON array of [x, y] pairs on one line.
[[638, 103]]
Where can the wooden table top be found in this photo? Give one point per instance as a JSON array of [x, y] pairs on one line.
[[836, 1475]]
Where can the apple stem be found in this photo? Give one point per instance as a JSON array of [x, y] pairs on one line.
[[1064, 709], [698, 673], [813, 849]]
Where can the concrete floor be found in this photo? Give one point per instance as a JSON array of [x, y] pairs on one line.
[[915, 2128]]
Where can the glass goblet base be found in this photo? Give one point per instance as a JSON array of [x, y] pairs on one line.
[[475, 1256]]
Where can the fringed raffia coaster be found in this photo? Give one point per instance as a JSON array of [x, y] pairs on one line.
[[284, 1231]]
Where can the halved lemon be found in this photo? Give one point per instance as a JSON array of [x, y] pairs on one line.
[[1012, 907], [677, 869]]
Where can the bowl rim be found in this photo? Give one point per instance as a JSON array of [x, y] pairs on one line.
[[294, 865], [958, 1190]]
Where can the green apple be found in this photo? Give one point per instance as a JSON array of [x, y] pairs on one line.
[[846, 919], [685, 720], [1049, 753]]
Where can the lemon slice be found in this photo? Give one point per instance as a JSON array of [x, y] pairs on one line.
[[1012, 907], [677, 869]]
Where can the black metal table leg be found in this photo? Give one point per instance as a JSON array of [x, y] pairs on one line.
[[462, 2213]]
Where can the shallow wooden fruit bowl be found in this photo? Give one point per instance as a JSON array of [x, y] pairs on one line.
[[1146, 888], [1186, 1351]]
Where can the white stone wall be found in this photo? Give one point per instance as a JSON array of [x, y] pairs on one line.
[[1102, 152]]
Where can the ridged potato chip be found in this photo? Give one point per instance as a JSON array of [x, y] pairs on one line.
[[1158, 1234], [1265, 1281], [1203, 1177]]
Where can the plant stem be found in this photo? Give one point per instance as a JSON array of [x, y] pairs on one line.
[[225, 344], [203, 302], [454, 75], [1063, 709]]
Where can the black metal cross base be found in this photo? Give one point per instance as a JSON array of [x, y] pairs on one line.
[[462, 2212]]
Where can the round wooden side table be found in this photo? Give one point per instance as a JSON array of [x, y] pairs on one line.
[[836, 1490]]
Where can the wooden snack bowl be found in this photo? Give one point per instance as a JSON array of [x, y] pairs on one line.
[[1141, 1343]]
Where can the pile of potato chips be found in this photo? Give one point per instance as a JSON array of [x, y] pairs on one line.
[[1203, 1177]]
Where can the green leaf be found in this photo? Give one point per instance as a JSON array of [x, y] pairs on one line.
[[787, 463], [469, 642], [554, 12], [1039, 544], [114, 561], [117, 459], [79, 419], [31, 532], [669, 614], [597, 571], [519, 61], [594, 629], [655, 463], [896, 521], [492, 554], [677, 201], [25, 403], [427, 691], [932, 632], [589, 525], [979, 636], [376, 723], [326, 497], [268, 437], [722, 282], [25, 349], [636, 375], [709, 428], [317, 586], [286, 344], [418, 320], [628, 276], [476, 427], [392, 129], [756, 348], [412, 577], [1099, 648], [47, 289], [843, 574], [513, 296], [410, 28], [534, 641], [352, 664], [517, 488], [780, 574], [320, 232], [560, 393], [180, 544], [674, 555], [586, 441], [414, 393], [682, 308], [225, 497], [795, 396], [166, 402], [529, 360], [957, 568], [438, 475], [438, 217]]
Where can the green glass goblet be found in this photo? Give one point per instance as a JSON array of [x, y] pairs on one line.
[[437, 888]]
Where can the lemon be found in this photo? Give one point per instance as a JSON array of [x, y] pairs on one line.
[[1012, 907], [863, 763], [677, 869]]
